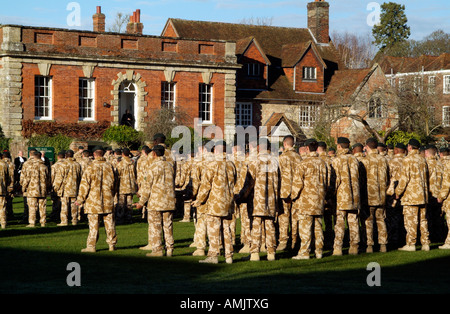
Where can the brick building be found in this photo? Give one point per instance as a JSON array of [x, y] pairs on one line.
[[88, 77], [285, 73]]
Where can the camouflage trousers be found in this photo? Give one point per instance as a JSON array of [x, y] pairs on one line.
[[200, 231], [124, 208], [352, 217], [309, 226], [284, 222], [219, 228], [187, 210], [160, 225], [3, 211], [37, 204], [66, 205], [263, 227], [110, 228], [380, 215], [245, 224], [416, 216], [447, 219]]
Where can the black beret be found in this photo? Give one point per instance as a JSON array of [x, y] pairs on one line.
[[159, 136], [159, 150], [400, 145], [372, 140], [322, 144], [414, 142], [310, 141], [443, 149], [390, 146], [382, 145], [357, 145], [431, 146], [343, 140]]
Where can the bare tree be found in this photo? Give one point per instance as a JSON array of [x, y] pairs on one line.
[[356, 51], [120, 23], [259, 21], [164, 120]]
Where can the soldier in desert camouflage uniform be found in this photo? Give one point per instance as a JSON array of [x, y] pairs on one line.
[[183, 183], [96, 193], [54, 194], [345, 182], [263, 180], [127, 188], [6, 187], [444, 155], [435, 173], [444, 199], [158, 192], [67, 182], [217, 192], [377, 176], [289, 161], [240, 210], [10, 195], [35, 182], [412, 190], [309, 189]]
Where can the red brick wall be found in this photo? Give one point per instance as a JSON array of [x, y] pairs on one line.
[[65, 92], [169, 31], [309, 60], [252, 55]]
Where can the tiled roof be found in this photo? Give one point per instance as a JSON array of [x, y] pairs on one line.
[[393, 65], [276, 118]]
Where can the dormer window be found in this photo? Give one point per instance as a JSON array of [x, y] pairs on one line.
[[253, 70], [309, 73]]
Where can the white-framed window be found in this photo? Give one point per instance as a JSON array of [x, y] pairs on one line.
[[375, 108], [168, 95], [308, 115], [418, 84], [43, 98], [401, 84], [244, 114], [309, 73], [446, 80], [253, 70], [446, 116], [431, 84], [392, 81], [205, 102], [87, 99]]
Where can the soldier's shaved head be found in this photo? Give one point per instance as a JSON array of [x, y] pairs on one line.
[[288, 140]]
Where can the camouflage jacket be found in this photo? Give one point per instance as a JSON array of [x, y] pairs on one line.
[[445, 189], [35, 179], [289, 161], [56, 169], [84, 163], [309, 185], [345, 180], [140, 166], [412, 187], [395, 165], [6, 182], [126, 176], [97, 187], [377, 178], [198, 169], [240, 163], [217, 187], [263, 183], [68, 178], [11, 168], [158, 189], [435, 173], [183, 178]]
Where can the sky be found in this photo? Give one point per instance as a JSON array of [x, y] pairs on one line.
[[354, 16]]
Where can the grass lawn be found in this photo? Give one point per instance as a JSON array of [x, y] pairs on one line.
[[34, 261]]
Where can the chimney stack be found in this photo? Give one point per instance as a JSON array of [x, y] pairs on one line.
[[319, 20], [135, 26], [99, 20]]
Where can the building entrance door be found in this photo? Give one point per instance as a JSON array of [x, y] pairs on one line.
[[128, 104]]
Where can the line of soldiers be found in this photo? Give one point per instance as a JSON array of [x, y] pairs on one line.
[[279, 198]]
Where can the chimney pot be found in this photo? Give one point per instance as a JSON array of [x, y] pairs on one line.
[[99, 9], [99, 20]]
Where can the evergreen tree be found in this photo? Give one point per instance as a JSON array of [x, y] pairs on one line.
[[393, 28]]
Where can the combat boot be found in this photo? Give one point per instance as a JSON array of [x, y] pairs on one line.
[[229, 260], [408, 248], [169, 252], [210, 260], [270, 256], [353, 250], [112, 248], [425, 247], [337, 252], [445, 247], [89, 250], [148, 247], [155, 254], [383, 248], [298, 257], [62, 224], [369, 249], [282, 246], [199, 252], [254, 257]]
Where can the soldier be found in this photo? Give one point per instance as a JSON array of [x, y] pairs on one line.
[[309, 189], [435, 173], [444, 155], [67, 182], [182, 181], [289, 160], [126, 177], [96, 194], [10, 194], [263, 181], [377, 174], [160, 139], [345, 182], [412, 190], [6, 188], [158, 192], [55, 193], [238, 159], [358, 151], [79, 154], [35, 182], [217, 192], [394, 215], [85, 160], [332, 152], [444, 199]]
